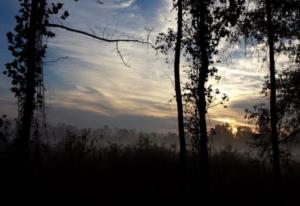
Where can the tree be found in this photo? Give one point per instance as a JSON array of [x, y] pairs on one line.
[[205, 23], [178, 87], [273, 110], [26, 70], [288, 102], [165, 43], [273, 22], [211, 22], [28, 49]]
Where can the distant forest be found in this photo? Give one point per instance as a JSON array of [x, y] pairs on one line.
[[240, 166]]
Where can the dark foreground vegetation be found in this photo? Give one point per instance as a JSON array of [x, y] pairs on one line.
[[80, 169]]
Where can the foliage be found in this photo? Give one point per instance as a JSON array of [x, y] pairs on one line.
[[142, 171], [219, 19], [276, 24], [289, 104], [4, 129], [18, 46], [28, 44], [261, 140], [285, 24], [287, 112]]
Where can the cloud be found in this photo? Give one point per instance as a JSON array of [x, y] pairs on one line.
[[247, 103], [92, 87], [91, 119], [125, 3], [93, 67], [116, 4]]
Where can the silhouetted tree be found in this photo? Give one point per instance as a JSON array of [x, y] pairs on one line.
[[178, 86], [288, 87], [273, 22], [274, 132], [28, 48], [165, 42], [205, 23], [210, 22]]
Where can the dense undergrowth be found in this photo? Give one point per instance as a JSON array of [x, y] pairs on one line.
[[78, 168]]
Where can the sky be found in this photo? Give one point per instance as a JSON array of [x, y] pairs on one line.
[[91, 87]]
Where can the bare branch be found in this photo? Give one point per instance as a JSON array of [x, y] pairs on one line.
[[214, 105], [97, 37], [56, 60], [217, 104], [120, 55], [148, 33]]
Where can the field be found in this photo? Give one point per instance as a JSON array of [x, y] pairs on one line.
[[77, 169]]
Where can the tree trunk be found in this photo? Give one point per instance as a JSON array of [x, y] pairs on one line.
[[32, 64], [18, 171], [201, 103], [203, 74], [178, 90], [274, 134]]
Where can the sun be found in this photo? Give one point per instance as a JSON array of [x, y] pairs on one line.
[[233, 126], [234, 129]]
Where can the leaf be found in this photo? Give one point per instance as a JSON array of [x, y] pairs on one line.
[[65, 15], [10, 36]]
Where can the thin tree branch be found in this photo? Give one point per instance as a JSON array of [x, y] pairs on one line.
[[97, 37], [120, 55], [214, 105], [56, 60]]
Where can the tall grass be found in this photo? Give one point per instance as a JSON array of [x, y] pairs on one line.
[[78, 167]]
